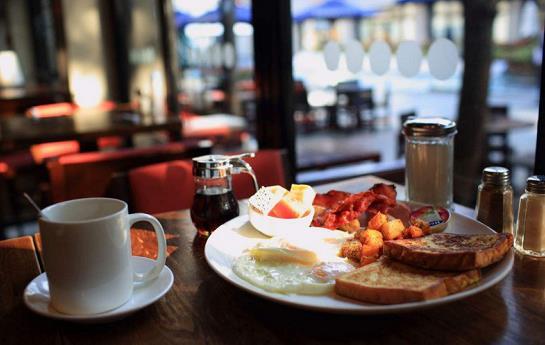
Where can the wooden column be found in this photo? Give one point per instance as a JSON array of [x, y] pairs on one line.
[[168, 46], [539, 165], [46, 29], [227, 9], [273, 77], [60, 42], [118, 24]]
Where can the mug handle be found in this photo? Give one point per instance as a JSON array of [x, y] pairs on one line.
[[161, 245]]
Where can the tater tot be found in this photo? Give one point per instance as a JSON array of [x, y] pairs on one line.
[[392, 230], [352, 250], [415, 231], [377, 221], [370, 250], [353, 226], [423, 225], [370, 236], [372, 246]]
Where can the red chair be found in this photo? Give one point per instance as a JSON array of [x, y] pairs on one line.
[[51, 110], [162, 187], [90, 174], [169, 186]]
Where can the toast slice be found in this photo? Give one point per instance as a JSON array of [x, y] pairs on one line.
[[450, 252], [390, 282]]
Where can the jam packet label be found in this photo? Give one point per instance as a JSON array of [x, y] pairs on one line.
[[436, 217]]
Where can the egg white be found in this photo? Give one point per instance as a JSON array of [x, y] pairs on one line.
[[305, 262]]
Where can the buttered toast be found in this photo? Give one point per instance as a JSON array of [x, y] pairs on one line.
[[450, 252], [390, 282]]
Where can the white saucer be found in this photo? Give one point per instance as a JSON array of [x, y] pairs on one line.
[[36, 295]]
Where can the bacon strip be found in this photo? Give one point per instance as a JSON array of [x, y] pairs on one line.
[[339, 208]]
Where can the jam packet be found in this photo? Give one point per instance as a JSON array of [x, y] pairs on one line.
[[436, 217]]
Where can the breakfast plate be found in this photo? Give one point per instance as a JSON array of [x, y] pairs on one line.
[[231, 239]]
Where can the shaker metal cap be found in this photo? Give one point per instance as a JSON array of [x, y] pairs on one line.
[[211, 166], [429, 127], [497, 176], [536, 184]]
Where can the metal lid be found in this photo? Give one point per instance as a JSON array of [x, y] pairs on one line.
[[212, 166], [536, 184], [429, 127], [497, 176]]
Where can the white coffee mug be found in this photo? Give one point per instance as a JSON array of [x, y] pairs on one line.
[[87, 254]]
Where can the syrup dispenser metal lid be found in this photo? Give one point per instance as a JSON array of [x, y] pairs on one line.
[[219, 166], [212, 166]]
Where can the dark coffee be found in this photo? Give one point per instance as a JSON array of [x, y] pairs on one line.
[[211, 208]]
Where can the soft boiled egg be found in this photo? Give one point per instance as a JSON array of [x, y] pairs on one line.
[[303, 264]]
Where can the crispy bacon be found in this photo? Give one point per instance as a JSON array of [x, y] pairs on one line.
[[340, 208], [330, 199]]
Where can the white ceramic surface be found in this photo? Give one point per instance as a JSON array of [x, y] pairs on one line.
[[232, 238], [273, 226], [37, 298], [87, 254]]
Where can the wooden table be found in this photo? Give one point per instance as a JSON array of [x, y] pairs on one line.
[[504, 125], [202, 308], [85, 126], [18, 99]]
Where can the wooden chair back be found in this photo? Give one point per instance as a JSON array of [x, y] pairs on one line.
[[497, 148], [19, 266]]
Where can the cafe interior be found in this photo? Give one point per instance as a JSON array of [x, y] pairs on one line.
[[212, 125]]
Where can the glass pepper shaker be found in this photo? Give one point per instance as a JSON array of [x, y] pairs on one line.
[[429, 160], [530, 231], [495, 199]]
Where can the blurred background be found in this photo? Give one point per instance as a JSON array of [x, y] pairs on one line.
[[204, 70]]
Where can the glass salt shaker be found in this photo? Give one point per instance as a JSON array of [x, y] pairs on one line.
[[495, 199], [530, 231], [429, 150]]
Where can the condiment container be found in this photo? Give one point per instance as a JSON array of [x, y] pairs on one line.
[[530, 231], [214, 202], [495, 199], [436, 217], [429, 159]]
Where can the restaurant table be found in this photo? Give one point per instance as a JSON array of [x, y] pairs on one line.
[[504, 125], [86, 126], [18, 99], [202, 308]]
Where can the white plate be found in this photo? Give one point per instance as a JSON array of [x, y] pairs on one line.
[[36, 295], [232, 238]]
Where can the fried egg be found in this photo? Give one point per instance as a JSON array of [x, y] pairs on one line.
[[305, 263]]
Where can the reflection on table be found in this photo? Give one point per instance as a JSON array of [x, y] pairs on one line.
[[84, 125]]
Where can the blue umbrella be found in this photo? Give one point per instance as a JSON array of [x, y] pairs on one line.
[[242, 14], [182, 18], [333, 9], [415, 1]]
